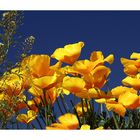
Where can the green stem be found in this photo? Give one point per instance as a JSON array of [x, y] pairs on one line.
[[115, 120], [46, 117], [64, 103], [83, 111], [76, 113]]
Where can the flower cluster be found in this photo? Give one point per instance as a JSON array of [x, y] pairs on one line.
[[35, 86]]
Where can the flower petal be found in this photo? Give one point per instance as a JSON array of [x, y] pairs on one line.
[[69, 54], [69, 120]]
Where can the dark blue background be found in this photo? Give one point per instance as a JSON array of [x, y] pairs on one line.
[[114, 32]]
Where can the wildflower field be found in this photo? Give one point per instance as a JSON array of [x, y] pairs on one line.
[[61, 91]]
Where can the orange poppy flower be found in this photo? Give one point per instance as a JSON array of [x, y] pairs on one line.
[[69, 54], [66, 122]]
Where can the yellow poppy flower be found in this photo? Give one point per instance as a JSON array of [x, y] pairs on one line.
[[51, 95], [83, 66], [98, 58], [116, 107], [27, 118], [73, 84], [117, 91], [69, 54], [85, 127], [109, 59], [96, 55], [133, 82], [45, 81], [131, 70], [66, 121], [129, 100], [97, 93], [100, 74], [35, 91], [38, 65], [127, 62], [135, 55], [57, 126]]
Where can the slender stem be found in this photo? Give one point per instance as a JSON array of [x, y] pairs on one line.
[[76, 113], [42, 117], [83, 111], [46, 117], [64, 103], [115, 121]]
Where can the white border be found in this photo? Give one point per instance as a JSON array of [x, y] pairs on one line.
[[69, 4], [69, 135]]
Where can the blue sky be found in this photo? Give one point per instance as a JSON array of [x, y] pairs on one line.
[[116, 32]]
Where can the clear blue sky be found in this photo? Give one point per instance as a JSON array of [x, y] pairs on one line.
[[114, 32]]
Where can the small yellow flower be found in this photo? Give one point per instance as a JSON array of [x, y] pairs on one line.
[[66, 122], [69, 54], [100, 128], [27, 118], [85, 127]]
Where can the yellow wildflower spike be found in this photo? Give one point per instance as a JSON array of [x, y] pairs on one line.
[[135, 55], [27, 118], [85, 127], [73, 84], [69, 54]]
